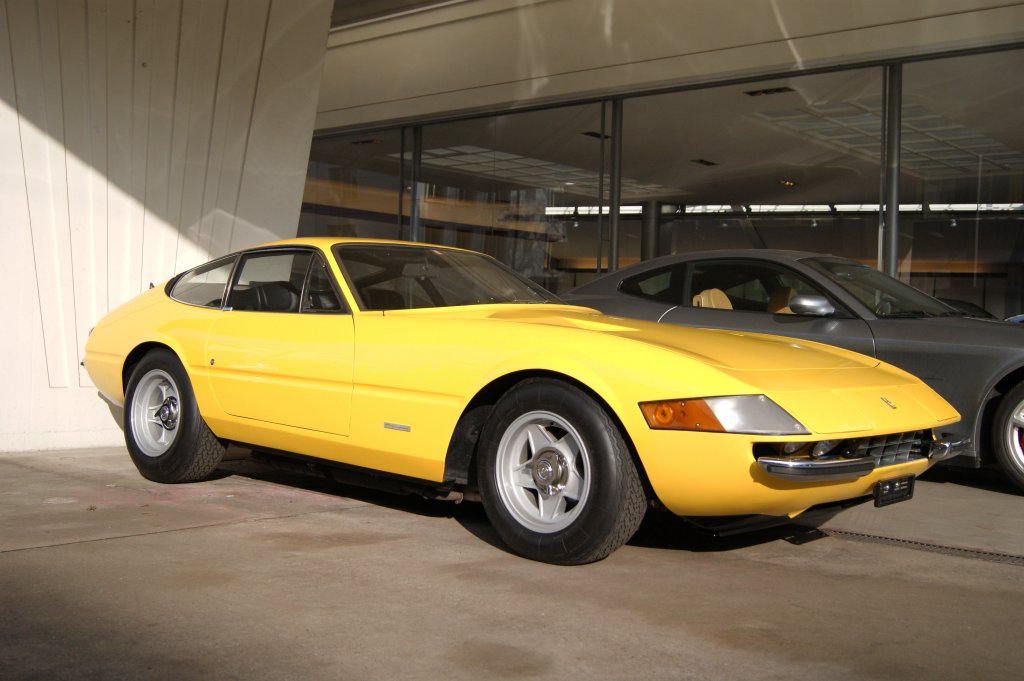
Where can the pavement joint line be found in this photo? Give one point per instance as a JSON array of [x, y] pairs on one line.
[[182, 529], [930, 547]]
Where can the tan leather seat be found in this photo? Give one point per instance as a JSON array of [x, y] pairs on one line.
[[712, 297], [778, 302]]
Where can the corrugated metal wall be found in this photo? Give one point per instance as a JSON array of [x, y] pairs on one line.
[[136, 139]]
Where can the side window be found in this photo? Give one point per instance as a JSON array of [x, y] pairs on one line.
[[664, 285], [320, 295], [748, 286], [270, 282], [204, 286]]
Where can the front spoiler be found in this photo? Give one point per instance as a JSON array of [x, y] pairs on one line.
[[809, 470]]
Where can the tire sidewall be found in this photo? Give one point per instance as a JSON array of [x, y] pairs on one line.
[[603, 507], [174, 464], [1010, 461]]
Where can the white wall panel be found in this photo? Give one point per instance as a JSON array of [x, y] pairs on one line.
[[137, 137]]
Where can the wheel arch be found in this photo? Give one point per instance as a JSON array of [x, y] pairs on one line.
[[988, 408], [460, 459], [135, 356]]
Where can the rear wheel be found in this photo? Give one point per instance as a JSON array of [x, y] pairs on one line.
[[1008, 435], [556, 476], [165, 434]]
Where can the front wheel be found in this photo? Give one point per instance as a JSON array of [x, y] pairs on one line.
[[1008, 435], [165, 434], [556, 476]]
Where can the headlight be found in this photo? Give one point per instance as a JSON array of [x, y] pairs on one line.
[[753, 414]]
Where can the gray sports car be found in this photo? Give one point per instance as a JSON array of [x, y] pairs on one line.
[[976, 364]]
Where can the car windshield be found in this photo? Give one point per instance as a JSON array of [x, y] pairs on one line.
[[399, 277], [887, 297]]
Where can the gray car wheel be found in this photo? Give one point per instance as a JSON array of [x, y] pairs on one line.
[[556, 476], [163, 430], [1008, 435]]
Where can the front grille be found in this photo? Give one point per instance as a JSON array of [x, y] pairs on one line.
[[889, 450], [886, 450]]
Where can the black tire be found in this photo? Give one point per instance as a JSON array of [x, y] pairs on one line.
[[556, 477], [165, 434], [1008, 435]]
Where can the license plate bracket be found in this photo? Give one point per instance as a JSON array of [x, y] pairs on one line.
[[893, 490]]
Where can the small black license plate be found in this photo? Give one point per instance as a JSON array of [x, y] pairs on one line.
[[894, 490]]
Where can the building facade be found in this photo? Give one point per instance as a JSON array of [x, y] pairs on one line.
[[565, 137]]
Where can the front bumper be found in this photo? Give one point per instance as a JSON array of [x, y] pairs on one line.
[[806, 469]]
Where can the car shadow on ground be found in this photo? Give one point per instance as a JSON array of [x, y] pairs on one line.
[[660, 529], [663, 530], [988, 479], [311, 482]]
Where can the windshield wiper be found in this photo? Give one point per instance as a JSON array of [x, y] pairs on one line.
[[907, 314]]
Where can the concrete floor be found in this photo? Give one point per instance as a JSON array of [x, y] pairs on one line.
[[258, 574]]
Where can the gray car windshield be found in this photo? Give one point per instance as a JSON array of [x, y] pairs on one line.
[[887, 297], [399, 277]]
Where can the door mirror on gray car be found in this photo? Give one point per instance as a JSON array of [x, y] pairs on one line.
[[811, 306]]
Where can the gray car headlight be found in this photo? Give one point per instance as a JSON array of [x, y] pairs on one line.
[[749, 414]]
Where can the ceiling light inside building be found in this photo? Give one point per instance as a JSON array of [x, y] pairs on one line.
[[531, 172], [932, 145]]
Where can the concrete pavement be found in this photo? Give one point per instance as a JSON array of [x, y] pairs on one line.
[[258, 574]]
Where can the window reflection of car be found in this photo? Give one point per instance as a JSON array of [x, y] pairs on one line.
[[976, 364], [440, 372]]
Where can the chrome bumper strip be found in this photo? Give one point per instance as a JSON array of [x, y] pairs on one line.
[[947, 449], [809, 470]]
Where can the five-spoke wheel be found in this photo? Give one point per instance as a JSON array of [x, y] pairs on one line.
[[543, 471], [165, 434], [154, 412], [556, 477]]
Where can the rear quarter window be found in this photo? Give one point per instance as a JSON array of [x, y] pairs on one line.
[[204, 286]]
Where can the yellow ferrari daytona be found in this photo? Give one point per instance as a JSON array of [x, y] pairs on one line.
[[442, 371]]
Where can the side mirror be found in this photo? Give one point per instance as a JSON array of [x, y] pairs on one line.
[[811, 306]]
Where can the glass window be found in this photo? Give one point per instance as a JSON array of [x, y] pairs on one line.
[[204, 286], [787, 163], [405, 277], [962, 180], [664, 284], [354, 186], [270, 282], [880, 293], [524, 188], [748, 285], [320, 295]]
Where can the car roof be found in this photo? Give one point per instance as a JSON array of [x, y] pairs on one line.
[[611, 279], [759, 253], [326, 242]]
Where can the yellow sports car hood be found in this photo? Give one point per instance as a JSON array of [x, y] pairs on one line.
[[830, 390], [730, 350]]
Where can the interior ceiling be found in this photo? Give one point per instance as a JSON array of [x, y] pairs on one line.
[[809, 139]]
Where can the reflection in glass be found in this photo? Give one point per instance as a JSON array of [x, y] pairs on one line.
[[760, 165], [962, 162]]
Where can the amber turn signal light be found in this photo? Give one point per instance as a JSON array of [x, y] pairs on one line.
[[681, 415]]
